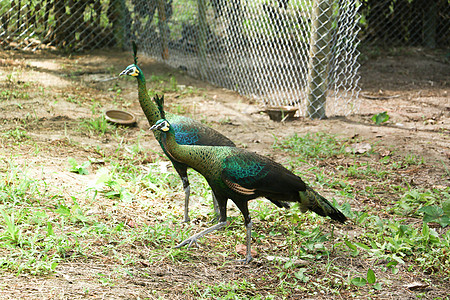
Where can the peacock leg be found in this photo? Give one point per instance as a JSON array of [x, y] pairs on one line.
[[216, 209], [243, 207], [182, 172], [187, 193], [222, 206], [249, 257], [193, 239]]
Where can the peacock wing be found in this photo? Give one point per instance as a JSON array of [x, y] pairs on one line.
[[191, 132], [248, 173]]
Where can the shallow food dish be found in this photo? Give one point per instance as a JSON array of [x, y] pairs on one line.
[[280, 113], [120, 117]]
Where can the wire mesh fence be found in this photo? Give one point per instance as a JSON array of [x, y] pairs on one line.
[[423, 23], [65, 24], [300, 53]]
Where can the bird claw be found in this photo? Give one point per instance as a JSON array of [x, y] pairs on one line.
[[193, 239], [245, 260], [215, 219], [189, 243]]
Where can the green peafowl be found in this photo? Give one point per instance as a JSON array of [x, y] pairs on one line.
[[187, 131], [241, 175]]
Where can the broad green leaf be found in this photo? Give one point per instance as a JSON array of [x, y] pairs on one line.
[[380, 118], [425, 230], [359, 281], [301, 275], [377, 286], [73, 163], [392, 264], [49, 228], [63, 210], [431, 213], [444, 221], [371, 276], [446, 207]]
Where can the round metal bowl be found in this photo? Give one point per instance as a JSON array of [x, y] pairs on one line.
[[120, 117], [280, 113]]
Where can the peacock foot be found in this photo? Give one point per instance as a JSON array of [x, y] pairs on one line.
[[245, 260], [188, 242], [193, 239], [215, 219]]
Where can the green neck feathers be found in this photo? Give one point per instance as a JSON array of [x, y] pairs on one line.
[[148, 106]]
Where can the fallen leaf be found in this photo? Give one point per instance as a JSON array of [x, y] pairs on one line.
[[385, 152], [144, 263], [132, 224], [415, 285], [242, 250], [296, 262], [359, 148]]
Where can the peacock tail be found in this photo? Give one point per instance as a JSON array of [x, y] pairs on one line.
[[311, 200]]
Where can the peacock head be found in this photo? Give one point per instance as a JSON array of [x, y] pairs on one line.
[[132, 70], [162, 125]]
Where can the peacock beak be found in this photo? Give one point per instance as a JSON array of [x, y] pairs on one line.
[[156, 126], [163, 126], [124, 72]]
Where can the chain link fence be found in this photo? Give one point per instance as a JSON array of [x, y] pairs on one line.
[[72, 25], [300, 53], [417, 23]]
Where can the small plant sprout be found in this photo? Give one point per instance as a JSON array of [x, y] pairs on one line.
[[380, 118], [78, 168]]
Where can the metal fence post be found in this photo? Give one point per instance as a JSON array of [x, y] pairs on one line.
[[319, 59]]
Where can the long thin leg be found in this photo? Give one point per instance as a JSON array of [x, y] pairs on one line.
[[249, 257], [182, 172], [216, 209], [243, 207], [222, 206], [193, 239], [187, 193]]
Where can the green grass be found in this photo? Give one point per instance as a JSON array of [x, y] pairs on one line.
[[30, 238], [97, 126], [13, 94], [41, 229], [18, 134], [401, 238], [126, 215], [168, 84]]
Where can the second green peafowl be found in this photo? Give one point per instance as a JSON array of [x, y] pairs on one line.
[[241, 175], [187, 131]]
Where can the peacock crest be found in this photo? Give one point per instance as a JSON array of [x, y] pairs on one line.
[[160, 104], [134, 52]]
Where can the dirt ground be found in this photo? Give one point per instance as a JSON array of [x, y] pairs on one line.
[[412, 87]]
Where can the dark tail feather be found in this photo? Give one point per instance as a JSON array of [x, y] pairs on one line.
[[311, 200], [280, 204]]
